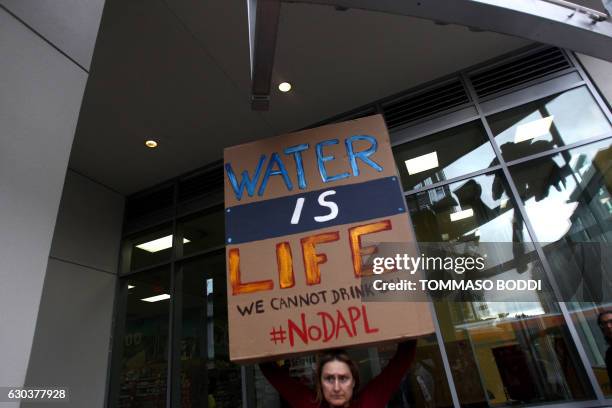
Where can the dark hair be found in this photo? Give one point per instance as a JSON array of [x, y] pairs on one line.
[[335, 355], [601, 315]]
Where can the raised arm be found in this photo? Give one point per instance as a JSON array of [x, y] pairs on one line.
[[380, 389], [293, 391]]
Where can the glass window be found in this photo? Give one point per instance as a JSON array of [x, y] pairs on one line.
[[502, 351], [202, 232], [144, 362], [207, 375], [147, 248], [555, 121], [567, 199], [425, 384], [444, 155]]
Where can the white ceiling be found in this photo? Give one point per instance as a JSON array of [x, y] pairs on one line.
[[178, 71]]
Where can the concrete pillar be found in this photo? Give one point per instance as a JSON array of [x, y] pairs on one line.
[[41, 89]]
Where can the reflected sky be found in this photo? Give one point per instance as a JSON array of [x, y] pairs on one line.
[[442, 158], [575, 117], [552, 217]]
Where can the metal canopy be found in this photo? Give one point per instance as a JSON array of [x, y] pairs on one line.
[[558, 23]]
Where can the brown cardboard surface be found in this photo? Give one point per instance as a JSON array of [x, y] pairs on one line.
[[305, 309]]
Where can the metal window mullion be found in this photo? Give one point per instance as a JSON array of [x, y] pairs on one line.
[[243, 388], [453, 180], [249, 397], [174, 362], [544, 261], [491, 169], [204, 252], [558, 150], [587, 80], [438, 332], [146, 268], [445, 362], [173, 386], [379, 109], [207, 208], [116, 352], [118, 318]]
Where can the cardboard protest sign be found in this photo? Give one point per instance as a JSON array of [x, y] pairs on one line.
[[300, 211]]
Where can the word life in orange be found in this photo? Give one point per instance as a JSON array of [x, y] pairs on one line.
[[311, 258]]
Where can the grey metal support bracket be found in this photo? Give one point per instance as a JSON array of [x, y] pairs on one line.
[[263, 28]]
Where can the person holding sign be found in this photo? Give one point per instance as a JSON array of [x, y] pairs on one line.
[[337, 382]]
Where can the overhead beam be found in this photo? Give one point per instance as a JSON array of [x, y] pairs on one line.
[[263, 29], [537, 20]]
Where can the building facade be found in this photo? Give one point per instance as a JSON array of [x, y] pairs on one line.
[[542, 192], [522, 144]]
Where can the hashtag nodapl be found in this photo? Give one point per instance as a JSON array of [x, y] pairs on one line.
[[324, 326]]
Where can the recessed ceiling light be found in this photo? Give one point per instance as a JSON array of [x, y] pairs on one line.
[[284, 87], [151, 144], [157, 298]]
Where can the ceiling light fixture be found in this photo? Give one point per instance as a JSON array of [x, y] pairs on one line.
[[460, 215], [533, 129], [422, 163], [157, 298], [159, 244], [284, 87], [151, 144]]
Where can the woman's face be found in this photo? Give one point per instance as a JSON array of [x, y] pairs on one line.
[[337, 383]]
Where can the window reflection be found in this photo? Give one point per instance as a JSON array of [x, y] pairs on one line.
[[146, 248], [568, 209], [425, 384], [555, 121], [502, 351], [202, 232], [441, 157], [144, 361], [207, 375]]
